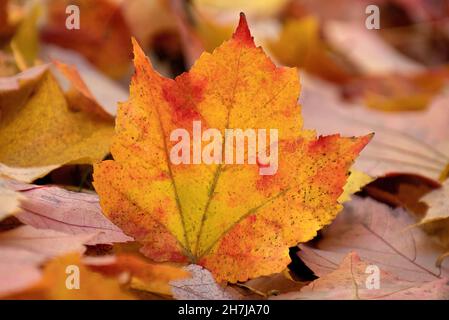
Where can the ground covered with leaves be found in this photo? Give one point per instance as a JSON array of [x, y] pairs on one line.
[[118, 179]]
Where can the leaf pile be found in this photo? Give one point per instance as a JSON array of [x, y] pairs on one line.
[[93, 207]]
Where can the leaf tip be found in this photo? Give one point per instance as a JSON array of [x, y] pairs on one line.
[[242, 32], [137, 49], [141, 61], [369, 136]]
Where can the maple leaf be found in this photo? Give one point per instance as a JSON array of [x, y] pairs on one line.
[[349, 282], [228, 218], [43, 132]]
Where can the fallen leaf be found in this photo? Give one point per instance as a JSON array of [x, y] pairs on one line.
[[103, 36], [145, 275], [79, 97], [201, 286], [230, 219], [381, 236], [349, 282], [23, 249], [402, 190], [398, 146], [27, 245], [26, 174], [44, 133], [16, 90], [53, 285], [75, 213], [16, 277], [106, 91]]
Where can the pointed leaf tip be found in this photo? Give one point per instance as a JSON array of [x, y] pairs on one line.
[[137, 50], [140, 58], [242, 32]]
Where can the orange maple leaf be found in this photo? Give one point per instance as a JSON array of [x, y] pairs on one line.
[[224, 216]]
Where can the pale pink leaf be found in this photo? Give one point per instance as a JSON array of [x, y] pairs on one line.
[[381, 236], [50, 207], [24, 249], [404, 142], [353, 280]]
